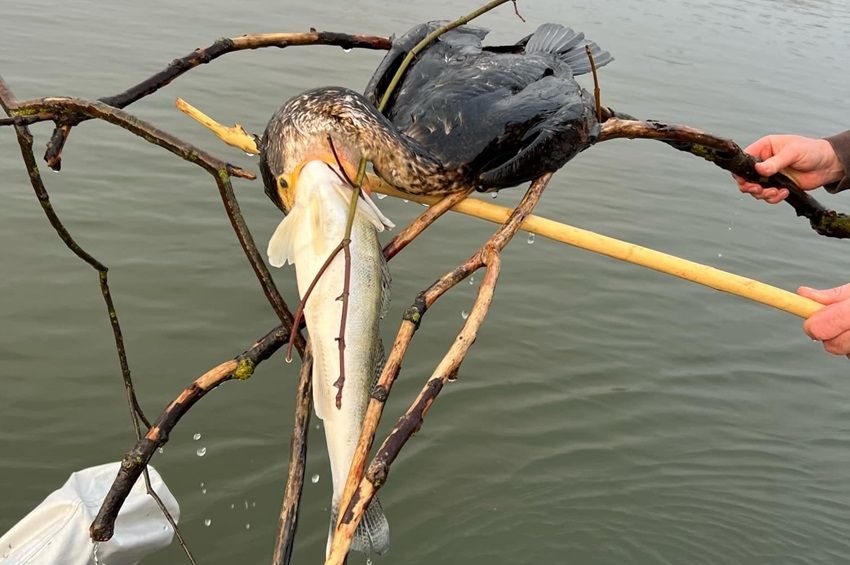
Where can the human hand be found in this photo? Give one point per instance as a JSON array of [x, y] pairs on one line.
[[831, 324], [810, 163]]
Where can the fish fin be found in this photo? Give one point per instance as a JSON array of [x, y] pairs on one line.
[[281, 249], [567, 45], [373, 533], [380, 361], [366, 207]]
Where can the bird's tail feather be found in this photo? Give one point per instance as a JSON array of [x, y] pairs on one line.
[[568, 45]]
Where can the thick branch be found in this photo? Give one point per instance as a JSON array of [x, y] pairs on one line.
[[240, 367], [201, 56], [726, 154], [360, 490]]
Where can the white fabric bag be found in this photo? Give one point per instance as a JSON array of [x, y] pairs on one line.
[[57, 530]]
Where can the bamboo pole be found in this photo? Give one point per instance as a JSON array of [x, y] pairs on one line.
[[628, 252]]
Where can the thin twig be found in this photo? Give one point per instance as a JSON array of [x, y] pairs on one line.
[[360, 489], [240, 367], [201, 56], [597, 93]]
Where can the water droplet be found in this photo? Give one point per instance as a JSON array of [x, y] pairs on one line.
[[314, 479], [720, 255], [253, 504], [405, 200], [494, 195], [730, 228], [196, 437], [368, 561], [288, 358], [232, 505], [207, 522], [318, 426], [381, 196], [423, 204], [247, 526], [246, 505], [161, 450], [202, 485], [472, 280], [201, 451], [346, 49], [250, 154], [55, 171], [203, 491], [464, 314], [530, 238]]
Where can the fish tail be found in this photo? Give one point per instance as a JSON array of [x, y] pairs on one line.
[[568, 45], [372, 534]]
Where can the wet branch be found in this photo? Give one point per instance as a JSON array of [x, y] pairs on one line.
[[288, 520], [727, 155], [362, 484], [204, 55], [240, 367]]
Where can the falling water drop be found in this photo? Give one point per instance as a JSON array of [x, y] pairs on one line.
[[530, 238], [161, 450], [288, 358], [232, 505], [247, 526], [196, 437], [94, 553], [720, 255], [368, 561], [494, 195], [201, 451], [207, 522], [472, 280], [464, 314], [246, 505], [314, 479]]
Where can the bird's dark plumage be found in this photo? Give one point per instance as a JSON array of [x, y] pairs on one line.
[[507, 114], [463, 115]]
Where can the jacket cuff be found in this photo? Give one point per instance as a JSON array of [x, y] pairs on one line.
[[841, 144]]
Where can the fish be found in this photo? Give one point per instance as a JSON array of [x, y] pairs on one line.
[[305, 238]]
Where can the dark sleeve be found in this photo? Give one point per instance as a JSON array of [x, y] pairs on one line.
[[841, 144]]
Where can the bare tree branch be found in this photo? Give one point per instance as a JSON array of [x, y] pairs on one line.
[[726, 154], [288, 521], [240, 367], [204, 55], [137, 416], [360, 489]]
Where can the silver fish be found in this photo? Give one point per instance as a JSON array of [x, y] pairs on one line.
[[307, 235]]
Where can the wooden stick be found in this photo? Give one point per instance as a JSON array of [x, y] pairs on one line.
[[628, 252]]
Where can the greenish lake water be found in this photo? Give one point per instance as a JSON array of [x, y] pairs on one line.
[[606, 414]]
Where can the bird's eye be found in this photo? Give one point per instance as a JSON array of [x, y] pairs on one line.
[[281, 182]]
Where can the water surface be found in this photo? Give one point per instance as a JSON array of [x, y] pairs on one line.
[[606, 414]]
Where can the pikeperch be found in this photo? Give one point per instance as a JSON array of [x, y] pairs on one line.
[[310, 231]]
